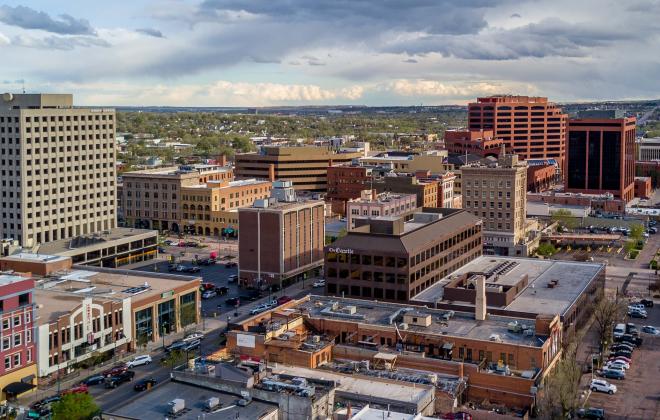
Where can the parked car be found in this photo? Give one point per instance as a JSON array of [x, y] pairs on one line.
[[231, 264], [631, 328], [622, 358], [648, 329], [631, 339], [177, 345], [460, 415], [638, 314], [144, 359], [222, 290], [232, 279], [191, 345], [191, 269], [173, 267], [208, 294], [93, 380], [591, 413], [207, 261], [319, 283], [637, 306], [648, 303], [195, 335], [622, 346], [601, 385], [621, 363], [249, 297], [614, 367], [284, 299], [115, 381], [233, 301], [207, 286], [620, 353], [78, 389], [115, 370], [144, 384], [613, 374], [259, 309], [273, 303], [161, 250]]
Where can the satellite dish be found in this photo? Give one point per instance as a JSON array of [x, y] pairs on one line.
[[7, 97]]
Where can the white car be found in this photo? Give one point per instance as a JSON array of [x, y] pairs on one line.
[[602, 385], [649, 329], [616, 367], [259, 309], [196, 335], [614, 364], [637, 306], [319, 283], [145, 359]]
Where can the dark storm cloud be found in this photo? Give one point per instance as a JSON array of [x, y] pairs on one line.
[[150, 32], [547, 38], [27, 18]]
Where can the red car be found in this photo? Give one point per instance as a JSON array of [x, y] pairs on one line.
[[78, 389], [284, 299], [115, 370], [461, 415], [208, 286]]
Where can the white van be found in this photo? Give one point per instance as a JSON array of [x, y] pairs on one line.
[[619, 330]]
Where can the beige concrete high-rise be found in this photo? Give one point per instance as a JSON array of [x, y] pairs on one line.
[[497, 193], [58, 168]]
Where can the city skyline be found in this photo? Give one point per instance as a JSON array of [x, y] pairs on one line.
[[246, 53]]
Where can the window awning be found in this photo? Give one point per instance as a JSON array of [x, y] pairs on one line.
[[17, 388], [448, 346]]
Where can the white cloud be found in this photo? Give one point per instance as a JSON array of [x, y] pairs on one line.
[[433, 88], [4, 40]]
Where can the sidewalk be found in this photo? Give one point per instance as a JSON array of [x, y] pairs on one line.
[[208, 326]]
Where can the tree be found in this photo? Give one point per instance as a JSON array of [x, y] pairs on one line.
[[560, 394], [546, 249], [75, 407], [607, 311], [629, 246], [636, 231], [564, 218]]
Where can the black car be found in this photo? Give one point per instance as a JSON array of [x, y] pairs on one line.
[[191, 345], [591, 413], [622, 347], [222, 290], [631, 328], [647, 302], [613, 374], [206, 261], [233, 301], [192, 269], [249, 298], [144, 384], [115, 381], [629, 338], [231, 265], [46, 402], [94, 380], [177, 345]]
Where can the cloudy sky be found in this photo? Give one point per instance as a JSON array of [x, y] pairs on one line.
[[373, 52]]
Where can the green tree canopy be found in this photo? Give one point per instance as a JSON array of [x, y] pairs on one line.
[[564, 218], [75, 407]]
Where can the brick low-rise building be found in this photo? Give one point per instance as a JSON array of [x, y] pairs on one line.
[[394, 258], [371, 204], [475, 142], [282, 238], [643, 188], [18, 341]]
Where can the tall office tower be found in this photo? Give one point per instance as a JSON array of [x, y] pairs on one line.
[[530, 127], [498, 194], [601, 154], [58, 168]]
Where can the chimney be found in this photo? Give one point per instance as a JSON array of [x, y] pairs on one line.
[[221, 160], [480, 298], [271, 172]]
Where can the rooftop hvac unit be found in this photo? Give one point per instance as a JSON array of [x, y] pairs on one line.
[[212, 403], [350, 309], [528, 333], [432, 378], [177, 405], [403, 326], [495, 337], [334, 305], [316, 339]]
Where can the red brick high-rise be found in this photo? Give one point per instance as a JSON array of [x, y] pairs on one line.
[[530, 127], [600, 155]]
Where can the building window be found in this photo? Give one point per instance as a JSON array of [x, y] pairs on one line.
[[7, 362], [188, 314], [17, 320], [166, 317], [17, 359], [143, 329], [6, 343], [17, 340]]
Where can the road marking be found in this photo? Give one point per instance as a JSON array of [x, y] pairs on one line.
[[619, 250]]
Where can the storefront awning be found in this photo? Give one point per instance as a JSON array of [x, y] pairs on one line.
[[17, 388], [448, 346]]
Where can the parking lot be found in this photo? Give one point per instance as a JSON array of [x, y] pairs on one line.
[[638, 395]]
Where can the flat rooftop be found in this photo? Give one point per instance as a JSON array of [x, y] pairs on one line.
[[79, 243], [7, 279], [61, 293], [397, 391], [180, 170], [380, 314], [153, 404], [35, 258], [230, 184], [574, 277]]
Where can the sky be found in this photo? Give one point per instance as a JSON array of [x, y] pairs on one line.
[[330, 52]]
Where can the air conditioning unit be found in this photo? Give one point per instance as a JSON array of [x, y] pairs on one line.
[[403, 326], [316, 339]]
